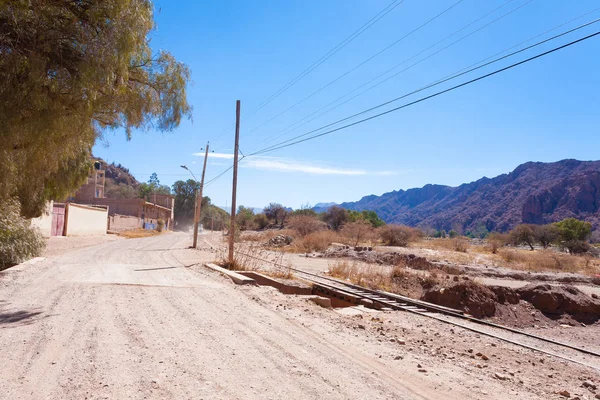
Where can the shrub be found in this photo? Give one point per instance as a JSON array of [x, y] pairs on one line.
[[18, 241], [316, 241], [306, 224], [574, 235], [523, 233], [356, 232], [336, 217], [460, 245], [261, 221], [160, 225], [546, 234], [496, 240], [398, 235]]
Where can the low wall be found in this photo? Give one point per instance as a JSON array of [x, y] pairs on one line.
[[120, 223], [85, 220], [44, 222]]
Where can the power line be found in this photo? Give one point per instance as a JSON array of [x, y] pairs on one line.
[[287, 130], [389, 8], [447, 78], [280, 145], [362, 63]]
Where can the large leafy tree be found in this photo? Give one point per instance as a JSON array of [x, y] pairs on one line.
[[69, 71]]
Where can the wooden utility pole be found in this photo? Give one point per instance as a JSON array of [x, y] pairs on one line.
[[199, 201], [234, 191]]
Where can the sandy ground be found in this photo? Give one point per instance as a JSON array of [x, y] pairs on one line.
[[139, 319]]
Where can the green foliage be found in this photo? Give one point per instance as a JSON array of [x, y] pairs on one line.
[[160, 225], [442, 234], [546, 234], [574, 234], [185, 200], [244, 218], [480, 232], [146, 190], [453, 234], [71, 70], [365, 215], [305, 209], [18, 241]]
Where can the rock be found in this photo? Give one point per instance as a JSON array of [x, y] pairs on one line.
[[505, 295], [500, 376], [564, 393], [398, 358], [361, 327], [484, 357], [422, 370], [419, 366], [589, 385], [598, 396]]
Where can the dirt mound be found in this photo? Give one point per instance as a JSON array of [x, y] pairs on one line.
[[279, 241], [389, 258], [477, 300], [558, 300]]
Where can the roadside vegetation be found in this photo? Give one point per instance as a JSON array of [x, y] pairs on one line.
[[563, 246], [18, 241]]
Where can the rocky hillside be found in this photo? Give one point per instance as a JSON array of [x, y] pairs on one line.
[[119, 182], [534, 192]]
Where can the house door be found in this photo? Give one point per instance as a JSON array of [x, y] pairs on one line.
[[58, 220]]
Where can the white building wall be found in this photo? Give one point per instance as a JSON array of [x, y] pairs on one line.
[[85, 220]]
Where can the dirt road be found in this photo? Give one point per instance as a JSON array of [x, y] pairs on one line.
[[132, 319]]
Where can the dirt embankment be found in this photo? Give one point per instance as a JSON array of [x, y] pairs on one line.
[[481, 301]]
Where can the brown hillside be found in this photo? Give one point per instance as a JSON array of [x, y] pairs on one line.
[[534, 192]]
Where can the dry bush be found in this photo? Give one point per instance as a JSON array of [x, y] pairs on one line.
[[456, 244], [398, 235], [306, 224], [357, 232], [460, 245], [316, 241], [495, 241]]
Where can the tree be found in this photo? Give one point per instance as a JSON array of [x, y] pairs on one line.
[[277, 212], [71, 70], [357, 231], [306, 224], [546, 234], [185, 202], [365, 215], [261, 221], [524, 233], [336, 217], [146, 190], [244, 218], [574, 234]]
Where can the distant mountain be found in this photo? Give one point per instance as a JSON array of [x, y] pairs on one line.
[[534, 192], [322, 207]]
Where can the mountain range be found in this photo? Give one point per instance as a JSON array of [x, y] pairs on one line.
[[534, 192]]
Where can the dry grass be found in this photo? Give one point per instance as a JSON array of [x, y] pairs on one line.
[[541, 260], [396, 279], [456, 244], [316, 241], [140, 233]]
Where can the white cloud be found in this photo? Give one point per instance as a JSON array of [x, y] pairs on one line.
[[288, 165], [215, 155], [273, 164]]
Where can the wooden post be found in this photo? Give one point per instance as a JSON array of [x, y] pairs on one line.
[[234, 190], [199, 201]]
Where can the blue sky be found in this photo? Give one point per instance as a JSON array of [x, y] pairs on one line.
[[546, 110]]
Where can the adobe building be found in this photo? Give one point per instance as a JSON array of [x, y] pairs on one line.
[[147, 212]]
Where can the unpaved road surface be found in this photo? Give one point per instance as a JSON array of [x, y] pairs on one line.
[[135, 319]]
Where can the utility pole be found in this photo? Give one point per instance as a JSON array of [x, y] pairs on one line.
[[199, 201], [234, 191]]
